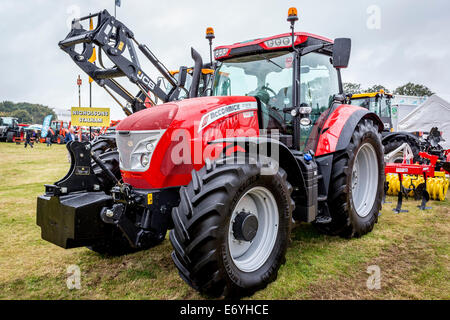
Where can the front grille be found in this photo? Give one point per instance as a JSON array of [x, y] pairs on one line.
[[133, 144]]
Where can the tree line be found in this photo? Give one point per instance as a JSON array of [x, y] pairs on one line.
[[26, 112], [409, 89]]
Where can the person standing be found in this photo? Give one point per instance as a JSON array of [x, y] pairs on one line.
[[70, 136], [28, 139], [50, 137]]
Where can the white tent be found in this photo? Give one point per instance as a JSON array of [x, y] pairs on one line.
[[434, 112], [406, 104]]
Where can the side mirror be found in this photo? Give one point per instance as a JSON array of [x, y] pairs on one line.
[[341, 52]]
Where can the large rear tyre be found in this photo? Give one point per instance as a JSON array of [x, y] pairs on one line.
[[356, 186], [232, 228], [393, 144]]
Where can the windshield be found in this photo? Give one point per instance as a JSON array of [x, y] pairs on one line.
[[367, 103], [379, 105], [385, 107], [7, 121], [264, 76]]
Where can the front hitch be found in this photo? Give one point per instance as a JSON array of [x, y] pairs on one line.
[[80, 176], [69, 211]]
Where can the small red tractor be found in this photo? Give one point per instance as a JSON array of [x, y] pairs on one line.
[[227, 171]]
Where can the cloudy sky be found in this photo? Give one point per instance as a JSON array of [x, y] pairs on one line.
[[394, 41]]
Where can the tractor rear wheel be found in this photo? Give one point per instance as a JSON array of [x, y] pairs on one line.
[[356, 186], [232, 228], [398, 157]]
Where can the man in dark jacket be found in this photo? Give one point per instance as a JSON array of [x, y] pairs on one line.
[[28, 139]]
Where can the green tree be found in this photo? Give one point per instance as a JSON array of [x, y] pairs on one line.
[[377, 88], [22, 115], [36, 112], [352, 88], [413, 89]]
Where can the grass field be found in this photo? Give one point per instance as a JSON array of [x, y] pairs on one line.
[[412, 250]]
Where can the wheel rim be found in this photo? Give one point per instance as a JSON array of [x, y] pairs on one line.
[[364, 182], [249, 256]]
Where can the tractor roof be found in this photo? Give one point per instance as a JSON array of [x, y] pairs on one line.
[[370, 95], [277, 42]]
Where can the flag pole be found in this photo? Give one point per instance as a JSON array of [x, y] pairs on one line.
[[92, 60], [117, 3]]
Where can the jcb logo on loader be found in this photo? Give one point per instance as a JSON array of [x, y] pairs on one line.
[[141, 76]]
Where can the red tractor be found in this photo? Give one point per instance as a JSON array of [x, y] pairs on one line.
[[227, 173]]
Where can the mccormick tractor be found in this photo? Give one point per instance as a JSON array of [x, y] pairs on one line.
[[227, 173], [9, 129]]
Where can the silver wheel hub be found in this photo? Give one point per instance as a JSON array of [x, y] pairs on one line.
[[253, 229], [364, 184]]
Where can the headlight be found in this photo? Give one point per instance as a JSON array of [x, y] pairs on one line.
[[145, 159], [305, 122], [136, 148], [220, 52], [278, 42], [150, 146]]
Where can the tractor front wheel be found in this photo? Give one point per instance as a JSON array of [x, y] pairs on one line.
[[356, 186], [232, 228]]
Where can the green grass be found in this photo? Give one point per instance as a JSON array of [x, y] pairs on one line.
[[412, 249]]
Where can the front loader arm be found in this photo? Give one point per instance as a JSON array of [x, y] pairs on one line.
[[114, 39]]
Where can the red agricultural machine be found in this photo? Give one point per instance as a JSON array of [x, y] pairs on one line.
[[272, 141]]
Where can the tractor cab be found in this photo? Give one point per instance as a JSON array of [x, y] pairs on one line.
[[269, 68], [9, 122], [377, 102]]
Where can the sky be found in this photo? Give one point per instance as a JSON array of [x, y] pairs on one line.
[[393, 41]]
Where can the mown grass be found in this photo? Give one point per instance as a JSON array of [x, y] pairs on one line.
[[412, 250]]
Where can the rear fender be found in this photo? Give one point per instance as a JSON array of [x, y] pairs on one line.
[[339, 127]]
